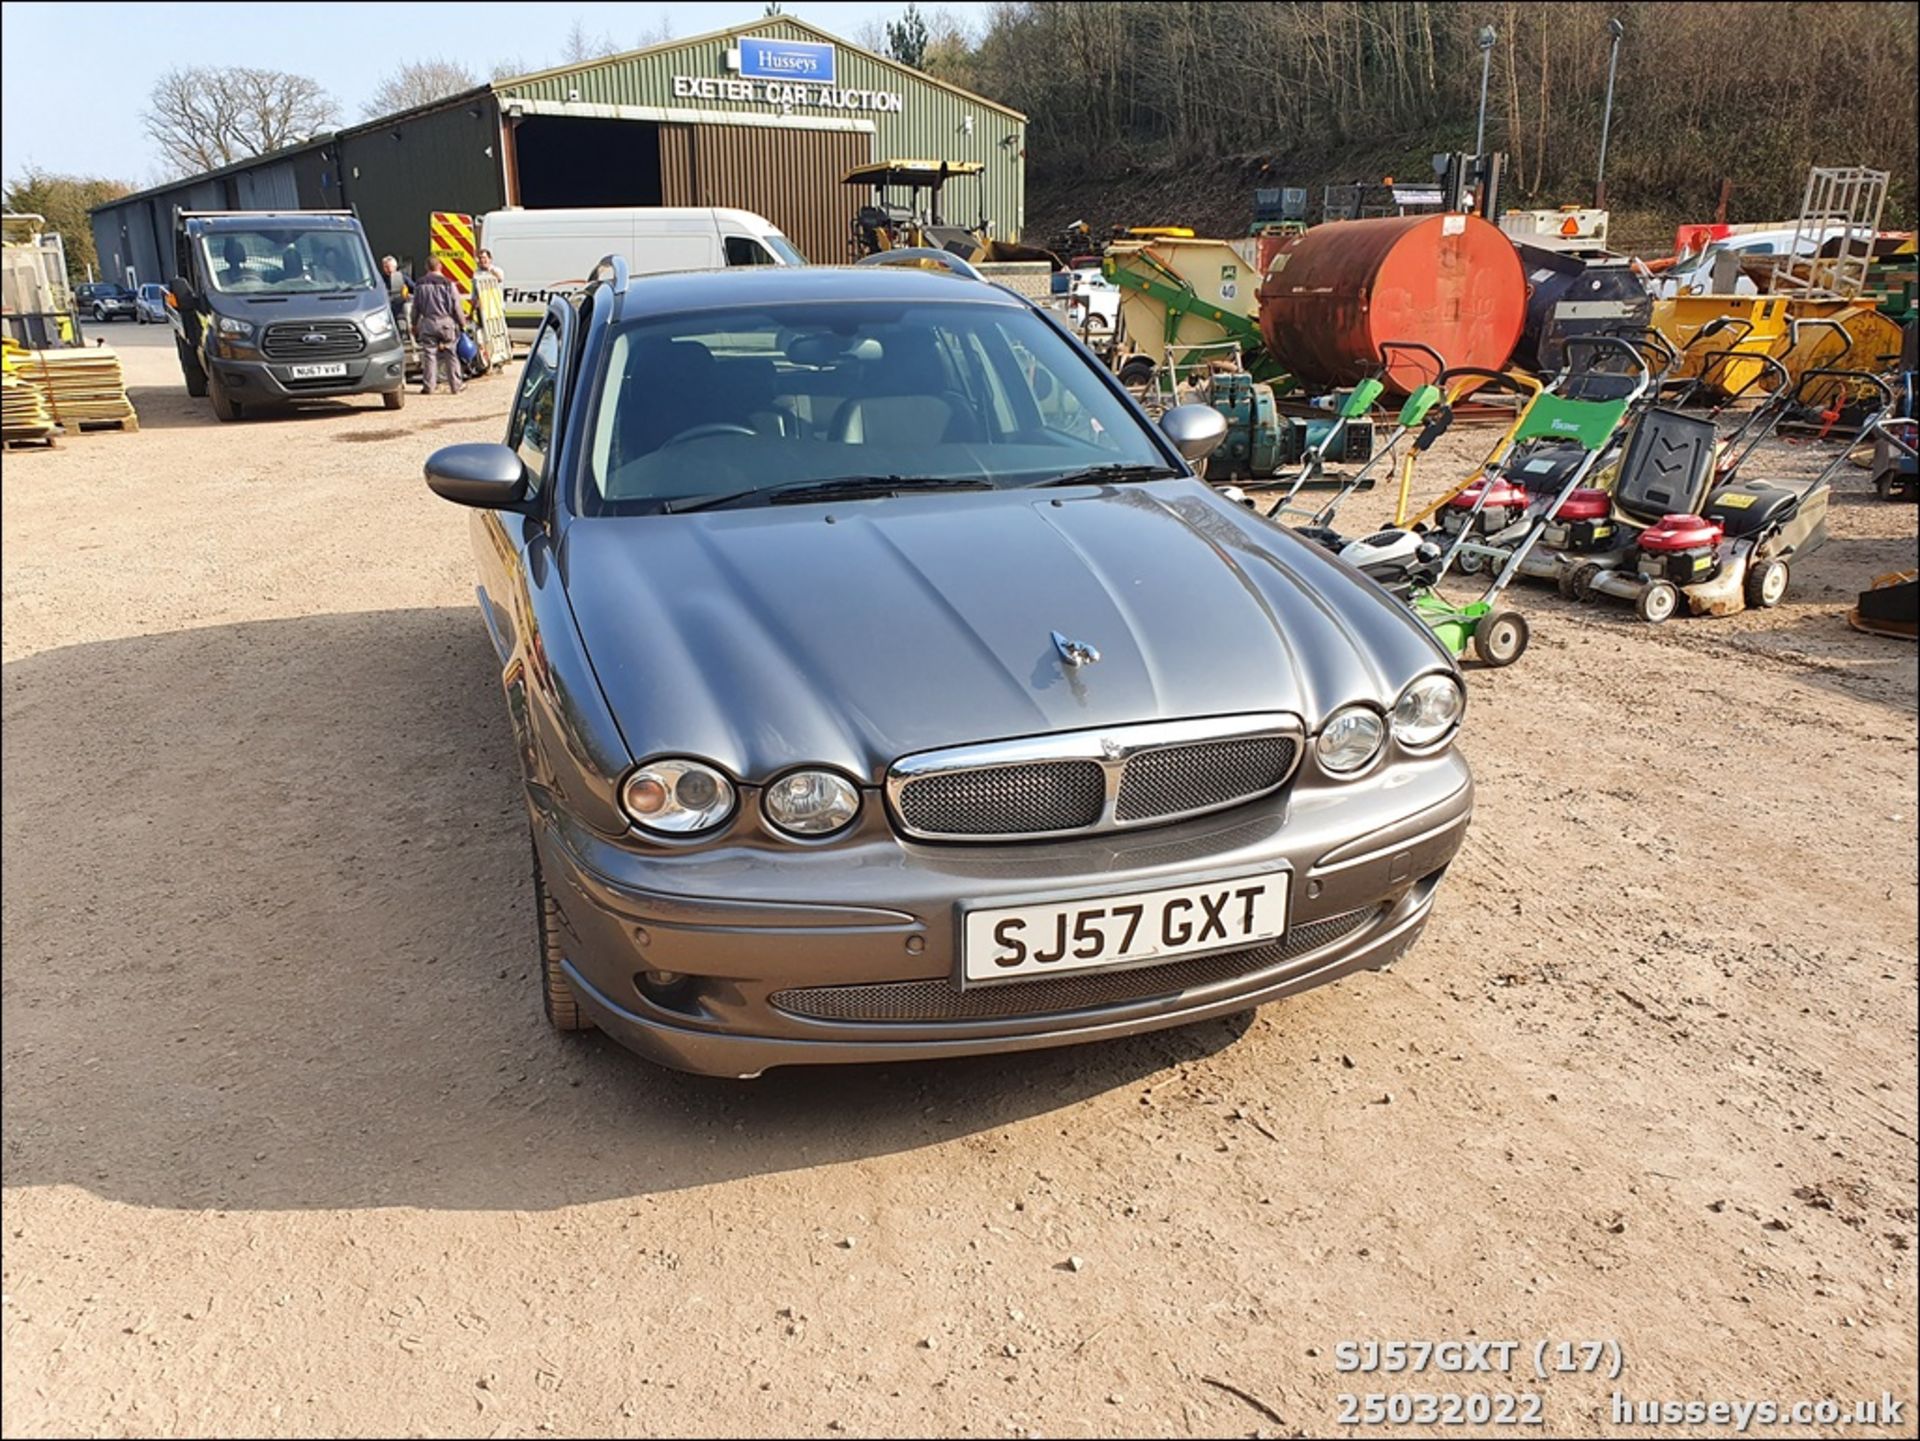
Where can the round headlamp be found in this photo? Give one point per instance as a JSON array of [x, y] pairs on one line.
[[1350, 740], [678, 797], [812, 803], [1428, 711]]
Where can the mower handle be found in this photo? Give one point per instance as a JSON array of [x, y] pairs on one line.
[[1877, 382], [1795, 325], [1611, 342], [1715, 326], [1652, 337], [1766, 364], [1439, 360], [1499, 379]]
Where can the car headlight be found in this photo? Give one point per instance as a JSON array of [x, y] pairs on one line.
[[237, 328], [379, 324], [812, 803], [678, 797], [1350, 740], [1428, 711]]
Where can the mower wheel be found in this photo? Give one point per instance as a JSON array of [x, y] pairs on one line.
[[1766, 584], [1470, 562], [1500, 637], [1657, 602], [1564, 583], [1582, 579]]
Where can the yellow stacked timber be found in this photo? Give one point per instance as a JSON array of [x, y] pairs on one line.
[[23, 411], [83, 386]]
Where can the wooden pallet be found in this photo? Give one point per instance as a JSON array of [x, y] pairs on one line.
[[127, 423], [25, 442]]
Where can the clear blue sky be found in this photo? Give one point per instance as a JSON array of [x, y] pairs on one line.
[[74, 77]]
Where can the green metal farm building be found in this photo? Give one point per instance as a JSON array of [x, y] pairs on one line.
[[765, 117]]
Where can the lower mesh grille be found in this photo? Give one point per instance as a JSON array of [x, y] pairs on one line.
[[1178, 779], [941, 1000], [1006, 800]]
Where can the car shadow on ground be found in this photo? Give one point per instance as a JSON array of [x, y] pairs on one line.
[[269, 945]]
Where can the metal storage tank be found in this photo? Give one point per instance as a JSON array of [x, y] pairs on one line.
[[1575, 292], [1333, 294]]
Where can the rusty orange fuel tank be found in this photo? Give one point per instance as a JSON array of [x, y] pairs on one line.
[[1332, 295]]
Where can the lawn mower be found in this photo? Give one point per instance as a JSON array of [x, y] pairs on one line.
[[1723, 547], [1413, 413]]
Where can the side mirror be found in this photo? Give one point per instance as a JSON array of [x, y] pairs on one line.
[[181, 292], [1195, 430], [488, 476]]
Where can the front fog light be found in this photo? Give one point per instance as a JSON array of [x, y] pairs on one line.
[[1428, 711], [1350, 740], [812, 803], [679, 797]]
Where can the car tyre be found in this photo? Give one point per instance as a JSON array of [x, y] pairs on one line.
[[1766, 584], [394, 399], [224, 405], [1500, 637], [557, 996], [1657, 602], [100, 314]]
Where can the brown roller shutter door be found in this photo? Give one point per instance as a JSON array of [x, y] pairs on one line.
[[790, 176]]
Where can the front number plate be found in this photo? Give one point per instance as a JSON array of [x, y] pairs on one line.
[[317, 372], [1006, 943]]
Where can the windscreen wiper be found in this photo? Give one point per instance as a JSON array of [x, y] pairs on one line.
[[845, 487], [1093, 474]]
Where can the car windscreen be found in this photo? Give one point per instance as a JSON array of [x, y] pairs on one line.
[[285, 260], [720, 402]]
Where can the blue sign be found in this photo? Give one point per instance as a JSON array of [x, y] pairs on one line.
[[806, 60]]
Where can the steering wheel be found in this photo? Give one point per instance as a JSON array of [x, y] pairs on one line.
[[711, 428]]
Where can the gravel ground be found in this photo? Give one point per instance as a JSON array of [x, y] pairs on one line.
[[289, 1149]]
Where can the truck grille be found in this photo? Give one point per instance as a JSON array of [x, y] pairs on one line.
[[288, 340], [1092, 780], [942, 1000]]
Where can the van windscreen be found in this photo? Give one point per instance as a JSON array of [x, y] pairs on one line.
[[285, 260]]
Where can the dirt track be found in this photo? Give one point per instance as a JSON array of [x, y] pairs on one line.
[[288, 1147]]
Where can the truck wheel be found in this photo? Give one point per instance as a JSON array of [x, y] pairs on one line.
[[1500, 637], [224, 405], [557, 996], [1766, 584], [1657, 601], [394, 399], [191, 370]]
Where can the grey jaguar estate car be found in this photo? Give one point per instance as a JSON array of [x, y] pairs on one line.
[[886, 685]]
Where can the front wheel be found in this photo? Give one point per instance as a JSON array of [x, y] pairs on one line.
[[1500, 637], [225, 407], [191, 370], [1766, 584], [394, 399], [1657, 602], [557, 996]]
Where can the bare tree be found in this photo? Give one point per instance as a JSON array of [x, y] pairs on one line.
[[203, 117], [418, 82], [579, 45]]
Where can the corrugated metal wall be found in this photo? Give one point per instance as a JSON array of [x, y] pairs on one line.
[[396, 174], [791, 176], [934, 124]]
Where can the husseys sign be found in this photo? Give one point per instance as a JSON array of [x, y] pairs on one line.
[[787, 74]]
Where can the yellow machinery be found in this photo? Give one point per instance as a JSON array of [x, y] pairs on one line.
[[1182, 293], [1759, 322], [1838, 334], [33, 284]]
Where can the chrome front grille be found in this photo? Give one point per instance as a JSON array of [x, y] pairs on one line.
[[1079, 782], [1004, 800], [1178, 780], [289, 340], [942, 1000]]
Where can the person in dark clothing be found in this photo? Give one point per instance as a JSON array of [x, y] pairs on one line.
[[436, 325]]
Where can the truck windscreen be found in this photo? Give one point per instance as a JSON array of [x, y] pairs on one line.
[[285, 260]]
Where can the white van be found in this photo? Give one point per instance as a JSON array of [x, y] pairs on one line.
[[544, 253]]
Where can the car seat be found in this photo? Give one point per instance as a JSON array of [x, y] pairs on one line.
[[906, 398]]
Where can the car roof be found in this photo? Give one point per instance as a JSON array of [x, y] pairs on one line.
[[789, 284]]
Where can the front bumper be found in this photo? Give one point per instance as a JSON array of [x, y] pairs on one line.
[[849, 953], [375, 372]]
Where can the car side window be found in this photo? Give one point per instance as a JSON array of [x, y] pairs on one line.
[[530, 431]]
